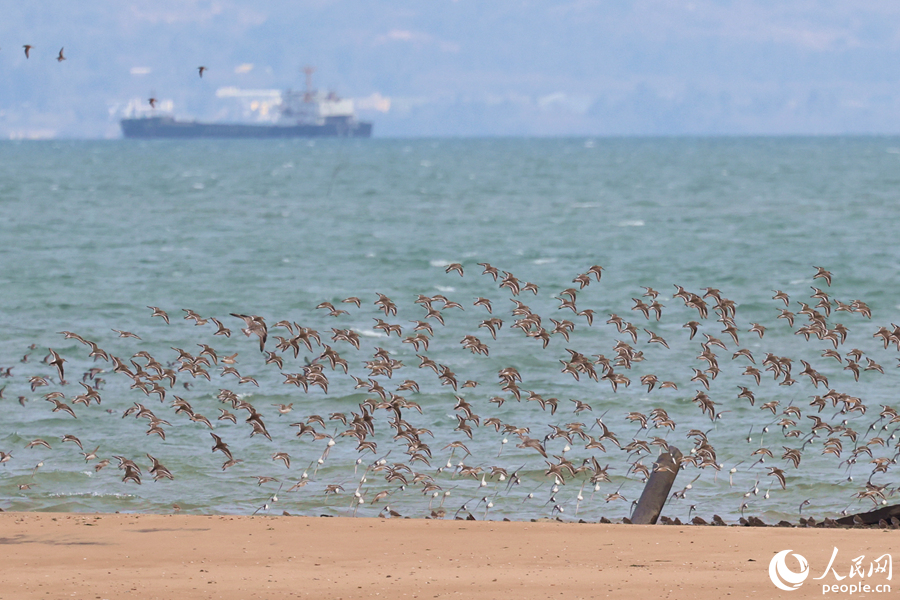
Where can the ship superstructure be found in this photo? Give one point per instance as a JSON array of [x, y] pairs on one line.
[[289, 113]]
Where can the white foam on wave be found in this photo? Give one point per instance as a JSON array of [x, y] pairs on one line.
[[369, 332], [88, 494], [586, 205], [445, 288], [543, 261], [634, 223], [440, 263]]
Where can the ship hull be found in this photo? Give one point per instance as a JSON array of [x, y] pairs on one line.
[[167, 127]]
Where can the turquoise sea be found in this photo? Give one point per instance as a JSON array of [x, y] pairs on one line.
[[94, 232]]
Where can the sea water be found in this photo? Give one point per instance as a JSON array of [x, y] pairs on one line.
[[94, 232]]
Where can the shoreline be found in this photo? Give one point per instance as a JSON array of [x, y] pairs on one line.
[[224, 556]]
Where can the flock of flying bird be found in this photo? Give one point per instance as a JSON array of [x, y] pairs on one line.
[[61, 57], [397, 406], [28, 48]]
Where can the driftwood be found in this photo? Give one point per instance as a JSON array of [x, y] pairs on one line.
[[873, 517], [656, 491]]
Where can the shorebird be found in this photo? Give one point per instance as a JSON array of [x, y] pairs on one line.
[[692, 325], [221, 446], [126, 334], [489, 270], [255, 326], [332, 310], [60, 58], [132, 473], [200, 71], [823, 274], [454, 267], [485, 303], [58, 363], [596, 271], [222, 330], [655, 338], [779, 295], [158, 312], [757, 328], [61, 406], [71, 438], [27, 48], [583, 280]]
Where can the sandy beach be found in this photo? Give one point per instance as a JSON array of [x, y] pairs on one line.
[[51, 555]]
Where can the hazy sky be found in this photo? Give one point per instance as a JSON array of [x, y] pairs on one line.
[[467, 67]]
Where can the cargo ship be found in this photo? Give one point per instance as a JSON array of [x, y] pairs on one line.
[[306, 114]]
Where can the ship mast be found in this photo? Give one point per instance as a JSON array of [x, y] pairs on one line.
[[310, 92]]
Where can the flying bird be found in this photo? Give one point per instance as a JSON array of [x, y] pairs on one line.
[[158, 312], [28, 48], [58, 363], [454, 267], [200, 71], [823, 274], [61, 58]]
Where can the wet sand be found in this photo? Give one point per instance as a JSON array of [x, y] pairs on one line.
[[111, 556]]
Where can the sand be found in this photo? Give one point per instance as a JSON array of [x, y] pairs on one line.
[[115, 556]]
